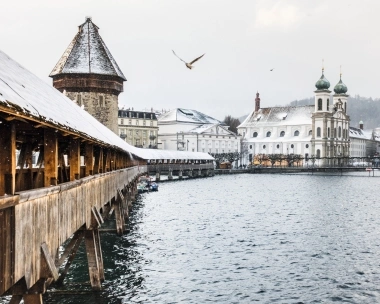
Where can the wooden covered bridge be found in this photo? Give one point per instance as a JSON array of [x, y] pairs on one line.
[[82, 173]]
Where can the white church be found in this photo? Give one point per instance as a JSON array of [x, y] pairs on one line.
[[320, 130]]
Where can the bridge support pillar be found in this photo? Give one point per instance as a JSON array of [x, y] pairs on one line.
[[190, 173], [157, 176], [200, 173], [94, 258], [170, 175], [180, 175]]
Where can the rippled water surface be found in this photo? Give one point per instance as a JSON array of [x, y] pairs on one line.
[[242, 239]]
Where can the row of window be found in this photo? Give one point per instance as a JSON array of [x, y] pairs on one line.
[[282, 133], [100, 101], [328, 105], [144, 133], [345, 133], [137, 122], [278, 146]]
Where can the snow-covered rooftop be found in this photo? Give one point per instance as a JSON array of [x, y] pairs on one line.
[[87, 54], [280, 116], [187, 115], [23, 92]]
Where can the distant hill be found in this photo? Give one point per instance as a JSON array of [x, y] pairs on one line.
[[359, 108]]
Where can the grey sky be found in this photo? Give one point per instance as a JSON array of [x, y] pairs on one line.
[[242, 39]]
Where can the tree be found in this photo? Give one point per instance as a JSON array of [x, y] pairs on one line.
[[232, 123]]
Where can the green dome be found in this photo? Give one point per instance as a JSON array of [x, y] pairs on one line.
[[340, 88], [322, 83]]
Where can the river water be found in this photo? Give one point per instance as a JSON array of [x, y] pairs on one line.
[[242, 239]]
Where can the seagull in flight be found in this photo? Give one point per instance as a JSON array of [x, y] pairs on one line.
[[271, 70], [188, 64]]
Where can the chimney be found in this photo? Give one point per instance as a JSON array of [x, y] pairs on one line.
[[257, 102], [361, 125]]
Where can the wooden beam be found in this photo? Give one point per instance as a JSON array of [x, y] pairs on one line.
[[92, 259], [7, 159], [48, 268], [73, 248], [74, 159], [50, 158], [89, 159]]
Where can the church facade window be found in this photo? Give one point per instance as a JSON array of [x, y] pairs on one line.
[[269, 134], [296, 133], [318, 153], [339, 132], [318, 132], [328, 104], [328, 132], [319, 104], [282, 134], [254, 134]]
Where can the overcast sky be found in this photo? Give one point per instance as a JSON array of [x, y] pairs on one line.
[[242, 39]]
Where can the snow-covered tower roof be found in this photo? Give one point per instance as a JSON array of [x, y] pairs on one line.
[[87, 54]]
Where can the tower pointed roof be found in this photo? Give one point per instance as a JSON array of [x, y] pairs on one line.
[[87, 54]]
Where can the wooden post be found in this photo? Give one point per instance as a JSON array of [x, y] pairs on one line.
[[7, 159], [50, 157], [89, 159], [97, 162], [74, 159], [92, 259]]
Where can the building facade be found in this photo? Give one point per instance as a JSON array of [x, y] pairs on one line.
[[137, 128], [189, 130], [321, 130], [89, 75]]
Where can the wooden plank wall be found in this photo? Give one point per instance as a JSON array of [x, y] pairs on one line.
[[53, 214]]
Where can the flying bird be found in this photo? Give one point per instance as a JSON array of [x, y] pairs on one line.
[[271, 70], [188, 64]]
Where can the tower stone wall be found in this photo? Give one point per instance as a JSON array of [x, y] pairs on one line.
[[104, 107]]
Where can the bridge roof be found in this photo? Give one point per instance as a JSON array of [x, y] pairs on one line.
[[25, 95]]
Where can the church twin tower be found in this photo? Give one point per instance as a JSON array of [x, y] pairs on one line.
[[88, 74], [330, 121]]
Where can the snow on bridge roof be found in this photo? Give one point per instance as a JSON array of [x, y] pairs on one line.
[[23, 92]]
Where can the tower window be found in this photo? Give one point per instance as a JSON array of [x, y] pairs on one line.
[[282, 134], [328, 104], [101, 100], [297, 133], [328, 132], [79, 99], [254, 134], [318, 132], [269, 134], [339, 132], [319, 104]]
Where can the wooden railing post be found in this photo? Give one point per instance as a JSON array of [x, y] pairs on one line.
[[50, 157], [7, 159], [89, 159], [74, 159]]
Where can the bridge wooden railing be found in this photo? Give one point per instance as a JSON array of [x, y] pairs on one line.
[[179, 167], [50, 216]]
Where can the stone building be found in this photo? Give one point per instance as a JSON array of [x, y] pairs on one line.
[[190, 130], [138, 128], [88, 74]]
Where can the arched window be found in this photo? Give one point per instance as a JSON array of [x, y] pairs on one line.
[[292, 146], [318, 132], [278, 146], [282, 134], [319, 104], [269, 134], [328, 132], [311, 132], [345, 107], [318, 153], [328, 104], [307, 146], [264, 146], [250, 146], [339, 132], [254, 134], [296, 133], [334, 132]]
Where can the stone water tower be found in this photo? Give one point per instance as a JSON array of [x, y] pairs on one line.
[[88, 74]]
